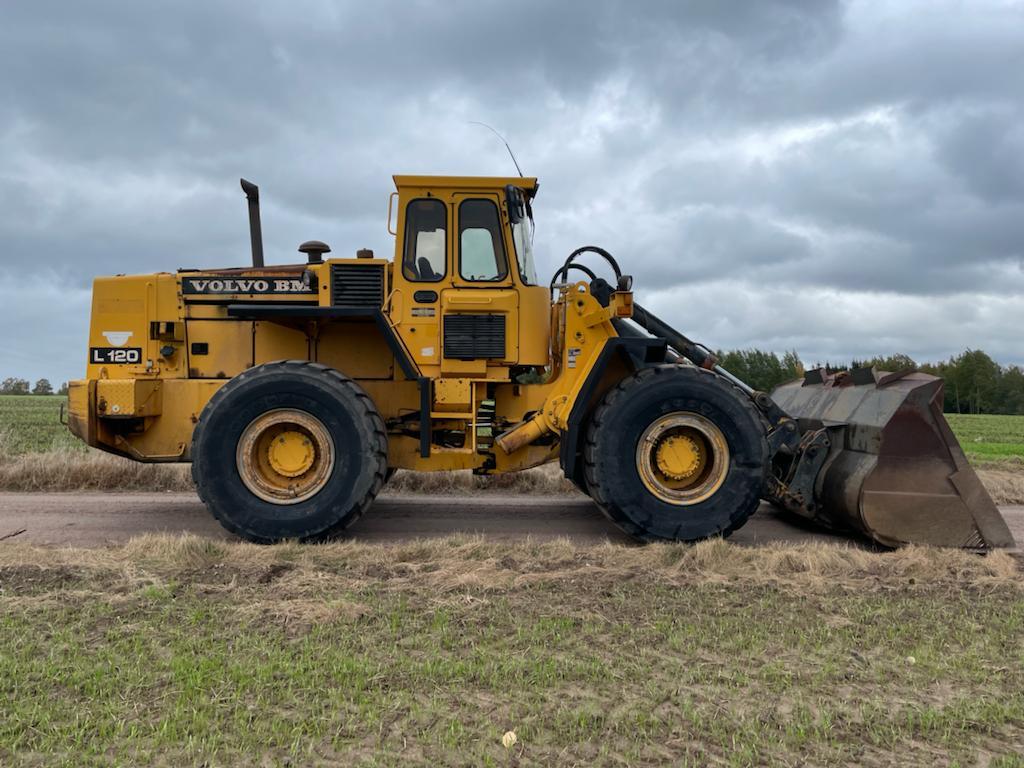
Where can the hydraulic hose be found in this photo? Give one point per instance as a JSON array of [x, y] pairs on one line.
[[563, 271]]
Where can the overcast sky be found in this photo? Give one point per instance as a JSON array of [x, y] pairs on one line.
[[843, 179]]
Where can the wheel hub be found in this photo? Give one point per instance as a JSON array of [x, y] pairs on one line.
[[679, 456], [291, 453], [682, 458]]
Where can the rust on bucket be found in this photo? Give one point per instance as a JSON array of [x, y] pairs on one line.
[[895, 471]]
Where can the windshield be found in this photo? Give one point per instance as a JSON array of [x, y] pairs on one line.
[[522, 237]]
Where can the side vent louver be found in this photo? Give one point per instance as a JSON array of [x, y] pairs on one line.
[[472, 337], [357, 285]]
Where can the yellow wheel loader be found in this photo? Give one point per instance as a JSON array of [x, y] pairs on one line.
[[296, 390]]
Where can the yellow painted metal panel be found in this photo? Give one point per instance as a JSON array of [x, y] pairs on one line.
[[355, 348], [534, 325], [123, 398], [119, 331], [417, 322], [81, 414], [272, 341], [474, 368], [206, 312], [463, 183], [229, 346], [167, 437], [453, 394], [393, 398]]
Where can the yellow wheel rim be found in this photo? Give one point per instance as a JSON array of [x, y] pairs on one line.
[[285, 456], [682, 458]]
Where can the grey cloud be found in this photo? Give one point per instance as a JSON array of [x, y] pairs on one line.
[[881, 203], [986, 150], [813, 156]]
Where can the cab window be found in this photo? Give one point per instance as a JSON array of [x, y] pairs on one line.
[[425, 258], [481, 245]]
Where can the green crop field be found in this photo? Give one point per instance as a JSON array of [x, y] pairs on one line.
[[987, 437], [30, 423]]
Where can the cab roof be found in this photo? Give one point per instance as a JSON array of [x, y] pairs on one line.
[[528, 183]]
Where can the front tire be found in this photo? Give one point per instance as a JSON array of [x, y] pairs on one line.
[[289, 450], [676, 453]]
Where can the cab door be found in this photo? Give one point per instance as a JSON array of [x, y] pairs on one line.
[[421, 272], [479, 311]]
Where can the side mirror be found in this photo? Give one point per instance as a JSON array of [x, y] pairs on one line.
[[514, 201]]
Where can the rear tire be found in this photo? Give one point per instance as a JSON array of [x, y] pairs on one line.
[[676, 453], [289, 450]]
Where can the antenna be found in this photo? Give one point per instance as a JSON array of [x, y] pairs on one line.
[[485, 125]]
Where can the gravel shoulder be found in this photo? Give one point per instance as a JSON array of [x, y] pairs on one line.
[[99, 519]]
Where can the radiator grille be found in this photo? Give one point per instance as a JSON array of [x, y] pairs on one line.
[[471, 337], [357, 285]]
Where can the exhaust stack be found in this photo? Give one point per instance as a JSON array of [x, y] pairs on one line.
[[252, 194]]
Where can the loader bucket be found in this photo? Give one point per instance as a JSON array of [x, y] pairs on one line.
[[895, 471]]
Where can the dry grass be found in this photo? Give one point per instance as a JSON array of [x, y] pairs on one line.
[[454, 562], [70, 470], [1004, 480], [93, 470], [547, 480]]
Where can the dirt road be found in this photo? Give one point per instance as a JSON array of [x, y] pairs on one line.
[[95, 519]]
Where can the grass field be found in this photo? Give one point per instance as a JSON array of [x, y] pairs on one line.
[[31, 423], [188, 652], [987, 437]]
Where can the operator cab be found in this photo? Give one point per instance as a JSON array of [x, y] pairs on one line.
[[465, 299]]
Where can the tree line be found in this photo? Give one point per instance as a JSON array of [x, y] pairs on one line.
[[12, 385], [975, 383]]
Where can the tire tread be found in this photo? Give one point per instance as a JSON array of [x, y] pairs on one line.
[[596, 436], [368, 414]]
